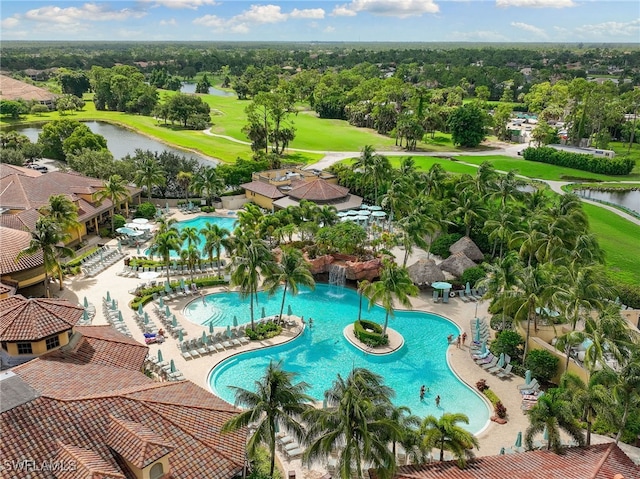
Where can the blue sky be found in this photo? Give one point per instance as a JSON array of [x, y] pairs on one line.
[[307, 20]]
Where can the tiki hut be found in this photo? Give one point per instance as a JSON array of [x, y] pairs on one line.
[[468, 247], [425, 271], [456, 264]]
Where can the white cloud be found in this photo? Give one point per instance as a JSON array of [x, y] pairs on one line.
[[329, 29], [479, 36], [171, 21], [612, 29], [529, 28], [10, 22], [261, 14], [78, 15], [315, 13], [179, 4], [211, 21], [394, 8], [536, 3], [343, 11]]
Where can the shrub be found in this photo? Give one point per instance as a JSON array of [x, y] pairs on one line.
[[473, 275], [482, 385], [500, 410], [542, 364], [146, 210], [104, 232], [508, 342], [579, 161], [264, 331], [501, 322], [440, 247], [208, 209], [629, 295], [369, 333], [119, 221]]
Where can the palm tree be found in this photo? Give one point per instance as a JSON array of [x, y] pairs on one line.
[[445, 434], [568, 341], [499, 228], [149, 173], [363, 290], [163, 244], [554, 413], [408, 423], [191, 256], [63, 211], [587, 399], [355, 423], [468, 208], [276, 402], [251, 257], [208, 183], [215, 238], [115, 190], [47, 237], [190, 234], [379, 172], [500, 280], [249, 218], [292, 271], [327, 215], [394, 284], [507, 187], [184, 178]]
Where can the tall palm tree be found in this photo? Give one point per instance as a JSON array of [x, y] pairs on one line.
[[507, 187], [553, 412], [327, 215], [445, 434], [215, 238], [363, 290], [394, 284], [115, 190], [184, 178], [191, 257], [379, 173], [469, 209], [249, 218], [408, 423], [292, 271], [500, 280], [149, 173], [190, 235], [251, 258], [355, 423], [163, 244], [276, 402], [207, 182], [48, 238], [587, 399], [499, 228], [63, 211]]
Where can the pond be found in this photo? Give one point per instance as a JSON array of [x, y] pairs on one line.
[[191, 88], [629, 199], [122, 141]]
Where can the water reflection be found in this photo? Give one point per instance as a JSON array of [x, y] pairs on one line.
[[191, 88], [628, 199], [122, 141]]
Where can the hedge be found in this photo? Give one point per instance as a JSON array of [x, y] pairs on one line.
[[369, 338], [264, 331], [580, 161]]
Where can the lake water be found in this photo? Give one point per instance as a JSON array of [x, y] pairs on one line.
[[628, 199], [122, 141], [191, 88]]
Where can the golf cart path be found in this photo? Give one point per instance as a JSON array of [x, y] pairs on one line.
[[332, 157]]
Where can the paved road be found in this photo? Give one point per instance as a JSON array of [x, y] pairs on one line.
[[332, 157]]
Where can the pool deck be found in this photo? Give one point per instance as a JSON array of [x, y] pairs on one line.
[[491, 439]]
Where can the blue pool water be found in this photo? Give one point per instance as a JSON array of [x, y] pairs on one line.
[[199, 222], [322, 352]]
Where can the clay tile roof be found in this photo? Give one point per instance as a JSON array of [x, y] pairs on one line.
[[12, 89], [5, 289], [601, 461], [14, 241], [24, 221], [136, 443], [23, 319], [103, 345], [318, 190], [7, 169], [84, 464], [264, 189]]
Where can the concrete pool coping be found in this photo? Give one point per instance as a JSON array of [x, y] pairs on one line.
[[396, 341]]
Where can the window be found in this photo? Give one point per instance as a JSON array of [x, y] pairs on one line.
[[4, 345], [24, 348], [53, 342], [157, 471]]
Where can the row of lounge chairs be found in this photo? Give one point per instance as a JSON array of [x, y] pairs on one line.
[[163, 369], [100, 260], [113, 317], [214, 343], [289, 446], [170, 323], [490, 364], [472, 296]]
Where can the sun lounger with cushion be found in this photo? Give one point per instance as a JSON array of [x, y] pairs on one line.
[[506, 372], [531, 385], [492, 364]]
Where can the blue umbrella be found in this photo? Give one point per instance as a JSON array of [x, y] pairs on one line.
[[264, 314], [173, 366], [167, 287], [180, 337], [182, 283], [85, 316], [161, 302], [441, 285], [120, 318], [518, 440], [527, 376], [167, 311], [108, 296], [483, 348], [174, 321], [228, 331], [159, 356], [146, 318], [114, 305], [500, 361], [210, 328], [86, 302], [476, 338], [205, 340], [467, 288], [140, 310], [477, 323], [289, 312], [235, 321]]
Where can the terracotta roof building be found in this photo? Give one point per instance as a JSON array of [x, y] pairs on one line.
[[12, 89], [27, 270], [601, 461], [35, 326], [109, 420]]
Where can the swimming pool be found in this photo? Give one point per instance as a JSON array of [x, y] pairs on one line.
[[321, 352], [198, 223]]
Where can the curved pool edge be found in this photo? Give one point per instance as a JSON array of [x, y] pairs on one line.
[[298, 334], [395, 337]]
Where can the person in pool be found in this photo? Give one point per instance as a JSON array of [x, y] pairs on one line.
[[438, 400], [423, 389]]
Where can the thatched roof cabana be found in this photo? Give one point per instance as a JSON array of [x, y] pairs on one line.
[[424, 271], [456, 264], [468, 247]]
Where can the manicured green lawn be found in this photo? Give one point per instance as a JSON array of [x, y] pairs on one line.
[[423, 163], [544, 171], [619, 239]]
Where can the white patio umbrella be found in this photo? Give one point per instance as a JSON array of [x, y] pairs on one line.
[[141, 221]]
